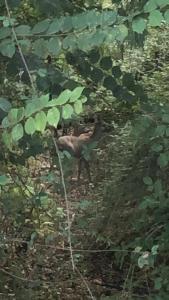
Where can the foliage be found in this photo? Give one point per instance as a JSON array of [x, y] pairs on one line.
[[98, 26], [34, 117], [154, 206]]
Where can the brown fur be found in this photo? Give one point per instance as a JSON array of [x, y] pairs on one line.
[[75, 145]]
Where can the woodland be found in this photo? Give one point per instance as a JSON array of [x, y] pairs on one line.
[[84, 138]]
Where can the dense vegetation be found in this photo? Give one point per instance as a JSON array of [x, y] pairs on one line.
[[64, 64]]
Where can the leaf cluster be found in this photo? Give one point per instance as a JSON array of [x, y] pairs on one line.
[[39, 112]]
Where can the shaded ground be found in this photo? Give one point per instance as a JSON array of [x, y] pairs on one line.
[[40, 267]]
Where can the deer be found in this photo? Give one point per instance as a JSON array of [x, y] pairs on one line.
[[76, 145]]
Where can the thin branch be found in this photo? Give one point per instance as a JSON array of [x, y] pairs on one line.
[[9, 295], [22, 184], [17, 277], [19, 240], [85, 283], [19, 48], [63, 34], [67, 204]]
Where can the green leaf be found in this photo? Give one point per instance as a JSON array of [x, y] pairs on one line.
[[17, 132], [40, 48], [85, 42], [67, 111], [150, 188], [157, 147], [55, 26], [150, 6], [42, 72], [84, 99], [79, 21], [22, 30], [158, 283], [67, 24], [147, 180], [7, 139], [78, 107], [128, 80], [111, 35], [54, 46], [40, 27], [162, 160], [70, 42], [6, 123], [96, 75], [2, 18], [7, 48], [107, 17], [15, 115], [53, 116], [138, 249], [6, 23], [5, 32], [106, 63], [5, 105], [155, 18], [25, 44], [148, 202], [63, 98], [142, 261], [43, 101], [116, 71], [32, 107], [122, 33], [75, 94], [40, 121], [109, 83], [94, 56], [162, 3], [4, 180], [139, 25], [165, 118], [160, 130], [166, 15], [92, 18], [30, 126], [98, 37]]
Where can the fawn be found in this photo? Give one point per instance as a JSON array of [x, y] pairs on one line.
[[76, 145]]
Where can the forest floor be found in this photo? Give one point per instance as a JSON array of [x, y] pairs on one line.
[[46, 264], [96, 276]]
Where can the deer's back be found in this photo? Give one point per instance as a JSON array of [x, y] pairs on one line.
[[74, 144]]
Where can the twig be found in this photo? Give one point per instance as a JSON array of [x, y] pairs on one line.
[[85, 283], [17, 277], [9, 295], [127, 277], [19, 48], [19, 240], [67, 204], [23, 184]]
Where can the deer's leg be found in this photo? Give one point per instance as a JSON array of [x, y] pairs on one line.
[[87, 166], [79, 169]]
